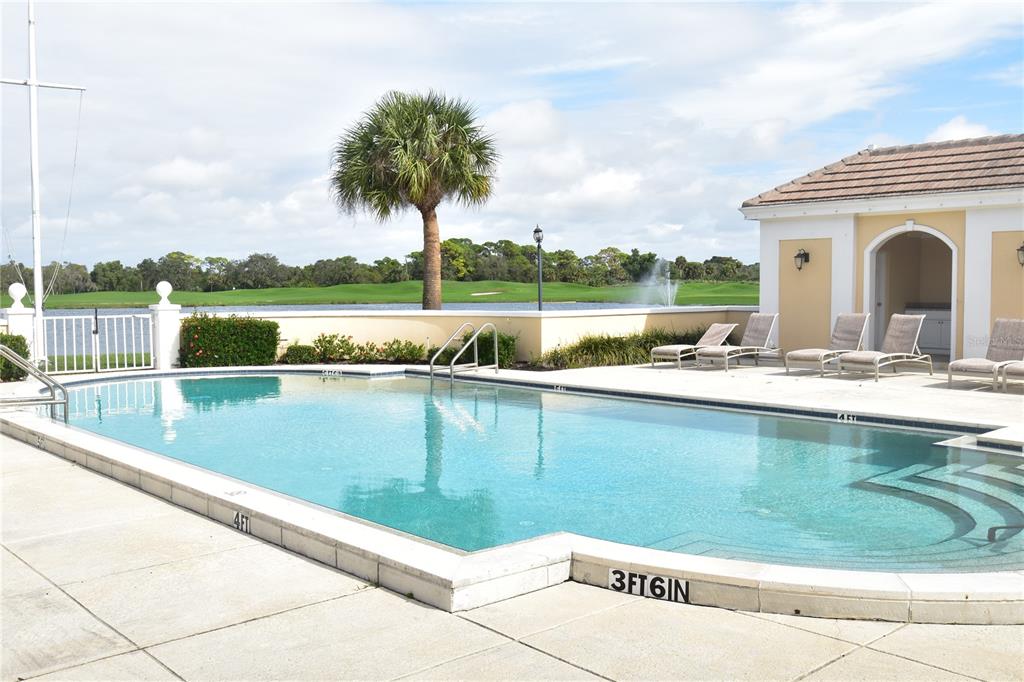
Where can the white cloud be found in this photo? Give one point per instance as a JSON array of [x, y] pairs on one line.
[[535, 122], [586, 64], [182, 172], [958, 128], [207, 127]]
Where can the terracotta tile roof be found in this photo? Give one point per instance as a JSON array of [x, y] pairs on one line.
[[982, 163]]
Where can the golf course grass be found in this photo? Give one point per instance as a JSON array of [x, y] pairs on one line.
[[689, 293]]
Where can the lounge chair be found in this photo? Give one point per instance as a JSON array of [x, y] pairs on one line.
[[1012, 370], [716, 335], [847, 336], [755, 342], [1006, 345], [898, 346]]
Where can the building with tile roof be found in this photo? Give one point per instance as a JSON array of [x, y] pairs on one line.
[[934, 228]]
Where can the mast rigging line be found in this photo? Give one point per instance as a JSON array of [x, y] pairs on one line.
[[71, 190]]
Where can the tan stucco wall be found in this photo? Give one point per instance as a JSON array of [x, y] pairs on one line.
[[805, 295], [918, 271], [949, 223], [537, 333], [560, 331], [1007, 275], [935, 273]]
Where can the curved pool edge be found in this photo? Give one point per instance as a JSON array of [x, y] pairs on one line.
[[456, 581]]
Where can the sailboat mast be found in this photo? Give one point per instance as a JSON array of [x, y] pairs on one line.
[[38, 344]]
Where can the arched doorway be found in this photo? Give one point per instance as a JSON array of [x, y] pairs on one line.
[[913, 269]]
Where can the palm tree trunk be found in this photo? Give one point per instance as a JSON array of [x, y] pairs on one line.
[[431, 261]]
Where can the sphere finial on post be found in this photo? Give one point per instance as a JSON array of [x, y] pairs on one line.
[[17, 292], [164, 288]]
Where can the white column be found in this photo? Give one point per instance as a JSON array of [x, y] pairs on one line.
[[19, 318], [166, 329]]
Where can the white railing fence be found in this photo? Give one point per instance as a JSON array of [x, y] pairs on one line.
[[98, 343]]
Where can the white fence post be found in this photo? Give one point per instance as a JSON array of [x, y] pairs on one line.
[[166, 329], [20, 318]]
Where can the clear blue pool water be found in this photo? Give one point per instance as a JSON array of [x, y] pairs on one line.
[[483, 466]]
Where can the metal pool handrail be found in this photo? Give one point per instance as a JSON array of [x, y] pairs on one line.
[[476, 353], [52, 384], [445, 345], [995, 529], [472, 341]]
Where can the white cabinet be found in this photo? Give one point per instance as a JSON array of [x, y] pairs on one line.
[[935, 332]]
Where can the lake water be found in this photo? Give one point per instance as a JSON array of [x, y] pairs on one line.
[[475, 307]]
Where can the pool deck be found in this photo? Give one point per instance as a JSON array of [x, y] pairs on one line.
[[103, 581], [907, 395]]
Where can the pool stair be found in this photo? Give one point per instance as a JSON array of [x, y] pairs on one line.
[[1006, 440]]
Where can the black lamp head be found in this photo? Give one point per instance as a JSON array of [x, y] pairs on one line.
[[800, 258]]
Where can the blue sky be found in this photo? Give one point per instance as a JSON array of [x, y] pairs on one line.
[[207, 128]]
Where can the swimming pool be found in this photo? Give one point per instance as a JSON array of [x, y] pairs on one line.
[[484, 465]]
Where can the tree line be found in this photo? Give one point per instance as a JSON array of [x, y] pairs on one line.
[[461, 259]]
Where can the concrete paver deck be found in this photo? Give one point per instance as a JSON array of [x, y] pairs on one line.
[[912, 395], [102, 581]]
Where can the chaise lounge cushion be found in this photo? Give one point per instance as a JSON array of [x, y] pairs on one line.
[[849, 331], [716, 351], [1007, 342], [973, 366], [1015, 369], [807, 354], [673, 348], [715, 335], [861, 357]]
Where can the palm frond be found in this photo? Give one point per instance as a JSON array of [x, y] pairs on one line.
[[415, 150]]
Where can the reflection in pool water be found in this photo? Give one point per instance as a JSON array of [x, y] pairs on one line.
[[482, 466]]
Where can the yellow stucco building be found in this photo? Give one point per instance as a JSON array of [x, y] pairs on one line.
[[929, 228]]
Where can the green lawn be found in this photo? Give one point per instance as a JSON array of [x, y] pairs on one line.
[[64, 363], [690, 293]]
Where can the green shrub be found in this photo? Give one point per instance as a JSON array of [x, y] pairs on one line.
[[333, 348], [299, 354], [402, 351], [227, 341], [17, 343], [506, 350], [603, 350]]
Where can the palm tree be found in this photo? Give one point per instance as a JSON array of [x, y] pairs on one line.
[[413, 150]]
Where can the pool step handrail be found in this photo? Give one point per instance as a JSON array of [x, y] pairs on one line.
[[54, 386], [447, 343], [995, 529], [452, 367]]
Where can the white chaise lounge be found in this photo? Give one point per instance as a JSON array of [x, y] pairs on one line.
[[756, 341], [715, 335], [1012, 371], [899, 346], [847, 336], [1005, 346]]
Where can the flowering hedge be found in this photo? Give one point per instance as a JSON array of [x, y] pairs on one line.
[[227, 341], [335, 348]]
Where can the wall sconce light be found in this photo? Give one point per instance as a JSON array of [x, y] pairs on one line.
[[1020, 255], [802, 257]]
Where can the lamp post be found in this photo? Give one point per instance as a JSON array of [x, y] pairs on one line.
[[538, 236]]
